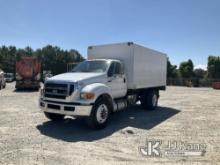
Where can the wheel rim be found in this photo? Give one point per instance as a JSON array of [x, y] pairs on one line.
[[154, 100], [102, 113]]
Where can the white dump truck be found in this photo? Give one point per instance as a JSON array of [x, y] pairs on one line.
[[113, 77]]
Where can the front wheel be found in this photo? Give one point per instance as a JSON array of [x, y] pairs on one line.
[[100, 114], [53, 116]]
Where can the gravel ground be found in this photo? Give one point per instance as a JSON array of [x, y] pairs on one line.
[[188, 115]]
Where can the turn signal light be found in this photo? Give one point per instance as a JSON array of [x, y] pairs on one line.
[[87, 96]]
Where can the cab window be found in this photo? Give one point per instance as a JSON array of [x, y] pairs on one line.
[[115, 69], [118, 68], [111, 70]]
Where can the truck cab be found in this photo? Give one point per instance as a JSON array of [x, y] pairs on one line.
[[95, 89], [91, 80]]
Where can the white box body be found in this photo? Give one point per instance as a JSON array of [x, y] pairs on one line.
[[144, 67]]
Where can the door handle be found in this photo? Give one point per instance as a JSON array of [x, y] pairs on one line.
[[109, 80]]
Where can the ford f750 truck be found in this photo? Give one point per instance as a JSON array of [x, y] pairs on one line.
[[113, 77]]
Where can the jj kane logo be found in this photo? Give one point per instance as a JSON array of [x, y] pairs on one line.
[[152, 148], [155, 148]]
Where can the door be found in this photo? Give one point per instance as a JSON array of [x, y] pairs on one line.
[[116, 80]]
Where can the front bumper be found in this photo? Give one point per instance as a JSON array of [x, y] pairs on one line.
[[27, 84], [63, 108]]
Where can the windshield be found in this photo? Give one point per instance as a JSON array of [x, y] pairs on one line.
[[96, 66]]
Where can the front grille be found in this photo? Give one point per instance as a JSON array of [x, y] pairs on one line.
[[55, 96], [69, 108], [57, 91], [52, 106]]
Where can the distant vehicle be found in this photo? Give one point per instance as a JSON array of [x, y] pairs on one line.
[[9, 77], [113, 77], [216, 85], [28, 73], [2, 79]]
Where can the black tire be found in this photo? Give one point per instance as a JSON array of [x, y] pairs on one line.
[[149, 100], [36, 89], [53, 116], [95, 122]]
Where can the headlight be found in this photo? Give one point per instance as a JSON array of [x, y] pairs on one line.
[[87, 96]]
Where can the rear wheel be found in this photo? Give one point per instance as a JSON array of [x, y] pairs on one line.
[[36, 88], [100, 114], [53, 116], [149, 100]]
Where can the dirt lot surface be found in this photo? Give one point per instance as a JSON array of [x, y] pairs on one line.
[[186, 115]]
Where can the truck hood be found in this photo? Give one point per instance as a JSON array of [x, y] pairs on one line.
[[74, 77]]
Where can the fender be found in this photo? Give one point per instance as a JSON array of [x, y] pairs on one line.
[[98, 89]]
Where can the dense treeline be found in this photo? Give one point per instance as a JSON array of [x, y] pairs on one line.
[[56, 59], [214, 67], [53, 58], [186, 69]]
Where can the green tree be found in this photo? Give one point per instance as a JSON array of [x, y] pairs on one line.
[[186, 69], [214, 67], [200, 73], [28, 51], [7, 56], [56, 59], [53, 58], [172, 71], [11, 59]]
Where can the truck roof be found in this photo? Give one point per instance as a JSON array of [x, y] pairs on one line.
[[127, 43], [108, 60]]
